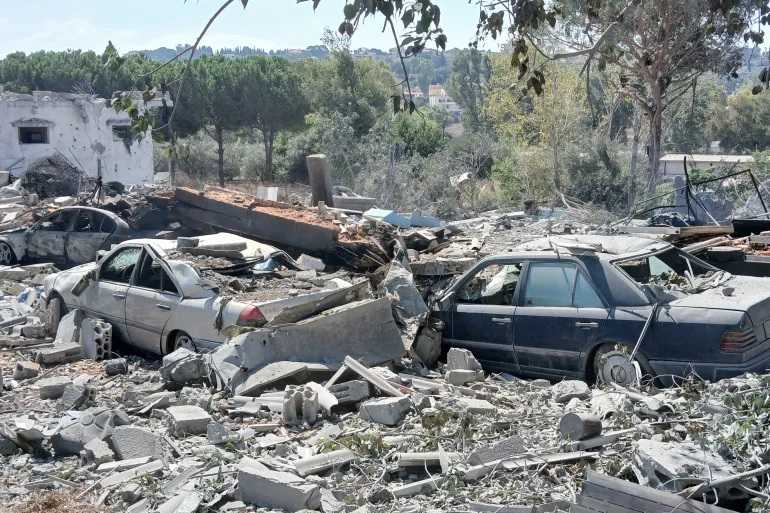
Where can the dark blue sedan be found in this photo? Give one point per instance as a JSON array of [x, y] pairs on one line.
[[577, 307]]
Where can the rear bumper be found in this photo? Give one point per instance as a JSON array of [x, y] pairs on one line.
[[709, 370]]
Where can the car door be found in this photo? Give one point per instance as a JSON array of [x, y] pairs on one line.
[[46, 240], [482, 315], [106, 297], [87, 235], [151, 300], [548, 332]]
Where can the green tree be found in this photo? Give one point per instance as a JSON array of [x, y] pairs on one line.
[[213, 99], [689, 119], [744, 125], [468, 86], [272, 101], [418, 133]]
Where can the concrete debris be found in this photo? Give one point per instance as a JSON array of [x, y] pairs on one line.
[[116, 366], [183, 366], [188, 420], [53, 388], [566, 390], [461, 359], [350, 392], [389, 411], [130, 442], [25, 370], [267, 488], [96, 339]]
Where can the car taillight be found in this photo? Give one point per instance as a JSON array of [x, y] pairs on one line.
[[251, 316], [737, 341]]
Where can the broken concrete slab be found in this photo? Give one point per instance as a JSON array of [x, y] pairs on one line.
[[399, 286], [97, 452], [570, 389], [387, 410], [350, 392], [127, 475], [60, 353], [25, 370], [188, 420], [68, 330], [308, 262], [461, 359], [183, 366], [263, 487], [325, 461], [505, 448], [479, 406], [120, 466], [130, 442], [53, 387], [75, 396], [462, 377]]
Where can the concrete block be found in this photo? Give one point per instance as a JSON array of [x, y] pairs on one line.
[[183, 502], [131, 442], [188, 420], [461, 359], [53, 387], [461, 377], [387, 410], [350, 392], [26, 370], [306, 275], [60, 353], [116, 366], [479, 406], [267, 488], [120, 466], [183, 366], [34, 329], [96, 451], [570, 389], [308, 263], [96, 339], [322, 462]]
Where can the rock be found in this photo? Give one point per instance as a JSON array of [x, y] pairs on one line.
[[387, 410], [96, 451], [308, 263], [350, 392], [569, 389], [53, 388], [131, 442], [188, 420], [75, 396], [461, 377], [461, 359], [116, 366], [183, 366], [267, 488], [26, 370]]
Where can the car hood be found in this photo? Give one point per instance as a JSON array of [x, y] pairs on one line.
[[749, 294]]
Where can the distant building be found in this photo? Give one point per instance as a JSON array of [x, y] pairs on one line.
[[82, 128], [672, 164], [438, 98]]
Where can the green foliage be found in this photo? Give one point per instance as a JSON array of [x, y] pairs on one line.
[[418, 133], [744, 126], [688, 119], [471, 71]]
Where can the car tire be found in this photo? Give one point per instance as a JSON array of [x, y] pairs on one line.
[[182, 339], [55, 311], [7, 256], [610, 365]]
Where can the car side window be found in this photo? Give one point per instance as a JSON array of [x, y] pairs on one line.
[[58, 222], [84, 222], [550, 284], [107, 226], [152, 276], [492, 285], [585, 296], [120, 265]]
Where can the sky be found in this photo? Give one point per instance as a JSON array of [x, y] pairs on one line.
[[147, 24]]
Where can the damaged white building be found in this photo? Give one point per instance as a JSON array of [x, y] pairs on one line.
[[82, 128]]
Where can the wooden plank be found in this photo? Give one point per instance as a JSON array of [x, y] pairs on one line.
[[641, 498]]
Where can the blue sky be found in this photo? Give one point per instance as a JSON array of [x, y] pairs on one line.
[[145, 24]]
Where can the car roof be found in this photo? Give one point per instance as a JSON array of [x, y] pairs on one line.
[[605, 247], [112, 215]]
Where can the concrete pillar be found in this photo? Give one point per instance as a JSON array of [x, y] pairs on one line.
[[320, 179]]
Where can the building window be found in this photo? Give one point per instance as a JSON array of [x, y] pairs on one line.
[[33, 135], [121, 133]]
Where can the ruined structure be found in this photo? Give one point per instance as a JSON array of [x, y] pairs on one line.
[[82, 128]]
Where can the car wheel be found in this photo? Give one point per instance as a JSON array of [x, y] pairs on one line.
[[182, 339], [612, 365], [55, 311], [7, 256]]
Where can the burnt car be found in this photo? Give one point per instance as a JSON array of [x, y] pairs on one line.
[[68, 236], [578, 307]]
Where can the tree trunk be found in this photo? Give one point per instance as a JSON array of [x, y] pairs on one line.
[[655, 139], [634, 160], [268, 137], [221, 152]]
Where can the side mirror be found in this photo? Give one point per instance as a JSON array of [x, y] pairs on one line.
[[83, 282]]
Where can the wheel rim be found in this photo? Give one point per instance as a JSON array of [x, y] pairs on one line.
[[184, 340], [6, 255], [615, 367]]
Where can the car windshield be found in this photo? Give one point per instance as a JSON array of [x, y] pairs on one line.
[[673, 270]]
